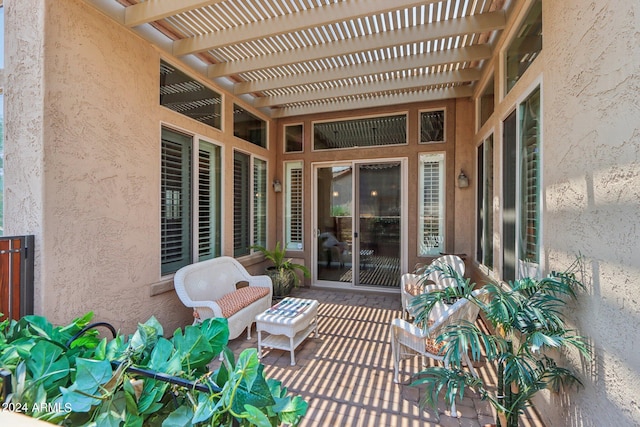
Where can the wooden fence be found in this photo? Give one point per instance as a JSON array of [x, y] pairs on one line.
[[16, 276]]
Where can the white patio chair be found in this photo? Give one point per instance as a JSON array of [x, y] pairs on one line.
[[410, 283], [409, 340]]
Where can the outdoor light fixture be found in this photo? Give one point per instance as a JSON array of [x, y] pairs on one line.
[[277, 186], [463, 181]]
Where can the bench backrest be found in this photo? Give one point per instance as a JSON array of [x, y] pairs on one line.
[[209, 280]]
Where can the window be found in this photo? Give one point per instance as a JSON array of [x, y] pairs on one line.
[[525, 46], [484, 230], [185, 237], [431, 204], [529, 206], [293, 138], [249, 203], [432, 126], [249, 127], [189, 97], [293, 206], [366, 132], [486, 103]]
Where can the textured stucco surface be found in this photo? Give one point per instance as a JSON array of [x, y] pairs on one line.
[[82, 167], [89, 191], [82, 174], [592, 194]]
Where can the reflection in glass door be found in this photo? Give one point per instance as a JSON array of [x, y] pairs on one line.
[[379, 224], [334, 206], [358, 223]]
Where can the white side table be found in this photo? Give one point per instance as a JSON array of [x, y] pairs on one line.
[[288, 323]]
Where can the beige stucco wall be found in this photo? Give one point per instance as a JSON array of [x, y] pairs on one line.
[[82, 170], [592, 193], [589, 71]]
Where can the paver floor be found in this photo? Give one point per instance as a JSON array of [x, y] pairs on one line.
[[346, 374]]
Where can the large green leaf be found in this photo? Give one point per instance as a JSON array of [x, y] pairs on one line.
[[193, 347], [181, 417], [258, 394], [48, 364], [289, 409], [83, 393], [216, 331], [206, 407], [256, 417], [164, 358]]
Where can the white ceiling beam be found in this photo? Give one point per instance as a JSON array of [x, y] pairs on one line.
[[437, 30], [423, 60], [381, 101], [292, 22], [370, 87], [155, 10]]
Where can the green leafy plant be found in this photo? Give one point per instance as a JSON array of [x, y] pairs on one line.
[[145, 379], [527, 321], [283, 271]]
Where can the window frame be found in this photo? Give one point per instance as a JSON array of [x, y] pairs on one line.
[[289, 166], [191, 182], [526, 267], [485, 228], [444, 125], [284, 138], [252, 197], [435, 250], [404, 113]]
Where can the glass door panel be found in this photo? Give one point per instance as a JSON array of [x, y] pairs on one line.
[[379, 220], [334, 207]]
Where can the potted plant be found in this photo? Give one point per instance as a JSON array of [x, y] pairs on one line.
[[527, 321], [283, 271]]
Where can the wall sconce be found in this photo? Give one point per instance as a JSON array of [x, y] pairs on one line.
[[463, 181], [277, 186]]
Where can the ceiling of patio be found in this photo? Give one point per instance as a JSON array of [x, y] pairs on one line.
[[292, 57]]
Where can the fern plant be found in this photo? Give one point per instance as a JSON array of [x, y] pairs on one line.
[[527, 321]]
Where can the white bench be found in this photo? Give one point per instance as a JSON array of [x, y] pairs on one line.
[[222, 287]]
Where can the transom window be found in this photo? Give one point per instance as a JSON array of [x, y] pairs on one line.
[[356, 133], [189, 97], [249, 127], [432, 126]]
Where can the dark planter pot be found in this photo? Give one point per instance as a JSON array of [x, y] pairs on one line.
[[283, 281]]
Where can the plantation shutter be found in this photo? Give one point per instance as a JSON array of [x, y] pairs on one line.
[[529, 180], [431, 226], [293, 205], [241, 206], [259, 202], [209, 202], [175, 215]]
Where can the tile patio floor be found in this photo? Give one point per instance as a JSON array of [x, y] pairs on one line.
[[346, 374]]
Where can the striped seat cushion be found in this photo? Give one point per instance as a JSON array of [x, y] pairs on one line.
[[239, 299]]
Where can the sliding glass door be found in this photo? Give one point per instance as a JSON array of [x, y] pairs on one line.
[[358, 222]]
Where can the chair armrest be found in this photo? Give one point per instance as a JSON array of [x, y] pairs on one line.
[[211, 305]]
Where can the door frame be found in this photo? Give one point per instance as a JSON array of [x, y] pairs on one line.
[[404, 222]]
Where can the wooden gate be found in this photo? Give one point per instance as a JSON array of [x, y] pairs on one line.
[[16, 276]]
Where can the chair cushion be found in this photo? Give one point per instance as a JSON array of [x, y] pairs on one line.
[[430, 343], [413, 289], [235, 301]]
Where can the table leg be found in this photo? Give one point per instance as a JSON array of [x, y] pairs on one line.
[[293, 357], [259, 344]]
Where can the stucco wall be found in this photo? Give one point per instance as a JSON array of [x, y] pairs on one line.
[[83, 163], [592, 194]]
